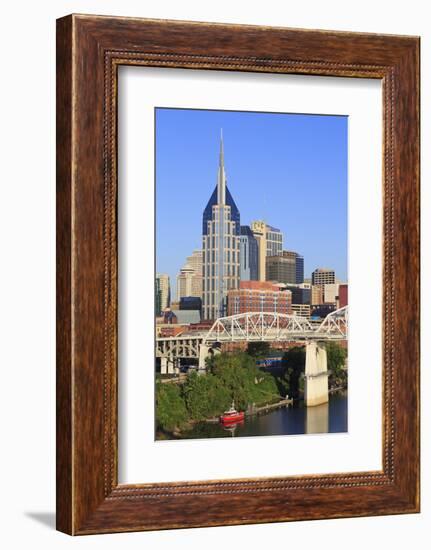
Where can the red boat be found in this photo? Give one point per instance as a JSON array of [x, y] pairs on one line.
[[232, 416]]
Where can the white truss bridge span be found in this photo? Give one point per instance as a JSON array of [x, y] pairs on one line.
[[262, 327], [277, 327], [254, 327]]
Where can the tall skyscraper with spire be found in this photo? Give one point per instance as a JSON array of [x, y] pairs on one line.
[[221, 229]]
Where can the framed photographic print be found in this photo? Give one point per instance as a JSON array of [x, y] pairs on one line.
[[239, 336], [237, 274]]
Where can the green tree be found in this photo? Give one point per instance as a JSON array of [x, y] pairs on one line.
[[205, 396], [336, 357], [293, 363], [259, 350], [245, 383], [171, 412]]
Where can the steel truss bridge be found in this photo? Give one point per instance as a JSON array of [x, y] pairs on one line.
[[255, 327]]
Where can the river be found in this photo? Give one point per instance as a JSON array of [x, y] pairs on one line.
[[294, 420]]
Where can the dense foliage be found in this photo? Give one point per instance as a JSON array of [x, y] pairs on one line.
[[259, 350], [235, 377], [246, 384], [230, 377], [205, 396], [336, 356], [293, 363], [171, 412]]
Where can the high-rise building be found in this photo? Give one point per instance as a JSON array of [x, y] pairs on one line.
[[257, 297], [157, 298], [316, 295], [323, 276], [185, 281], [248, 257], [281, 269], [274, 241], [195, 262], [330, 293], [189, 279], [270, 243], [221, 246], [259, 231], [299, 264], [300, 295], [164, 289], [299, 269]]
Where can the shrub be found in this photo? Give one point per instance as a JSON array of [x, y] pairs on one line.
[[293, 363], [259, 350], [336, 356], [245, 383], [171, 412], [205, 396]]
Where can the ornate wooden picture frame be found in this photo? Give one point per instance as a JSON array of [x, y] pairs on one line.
[[89, 51]]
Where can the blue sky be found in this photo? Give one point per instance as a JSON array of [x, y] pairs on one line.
[[288, 169]]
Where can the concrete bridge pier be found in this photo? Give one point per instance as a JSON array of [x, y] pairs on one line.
[[316, 375], [167, 366], [176, 366], [163, 365], [203, 354]]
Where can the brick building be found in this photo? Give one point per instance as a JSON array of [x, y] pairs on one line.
[[259, 296], [343, 293]]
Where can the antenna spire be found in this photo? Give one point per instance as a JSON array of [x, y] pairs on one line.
[[221, 179]]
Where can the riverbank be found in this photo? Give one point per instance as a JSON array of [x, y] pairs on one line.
[[269, 407], [254, 410], [295, 419], [189, 399], [229, 378]]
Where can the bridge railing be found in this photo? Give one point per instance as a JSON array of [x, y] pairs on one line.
[[266, 326], [257, 326], [336, 322]]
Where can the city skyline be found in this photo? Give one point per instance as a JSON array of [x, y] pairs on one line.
[[312, 215]]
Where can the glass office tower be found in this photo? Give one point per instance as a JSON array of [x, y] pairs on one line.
[[249, 255], [220, 247]]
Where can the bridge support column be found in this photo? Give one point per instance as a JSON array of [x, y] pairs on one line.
[[171, 369], [176, 366], [203, 354], [167, 365], [316, 375], [163, 365]]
